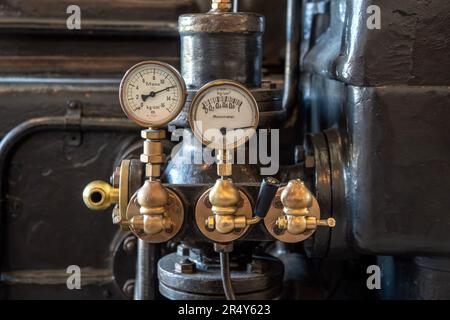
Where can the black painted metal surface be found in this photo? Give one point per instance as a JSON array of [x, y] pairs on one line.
[[393, 114]]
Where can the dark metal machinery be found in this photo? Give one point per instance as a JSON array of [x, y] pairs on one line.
[[362, 116]]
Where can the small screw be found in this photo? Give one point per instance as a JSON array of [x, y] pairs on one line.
[[128, 288], [129, 245]]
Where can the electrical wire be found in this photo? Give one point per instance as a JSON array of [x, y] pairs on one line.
[[226, 276]]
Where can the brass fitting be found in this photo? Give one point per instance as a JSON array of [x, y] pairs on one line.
[[152, 198], [225, 198], [297, 201], [224, 167], [153, 155], [100, 195], [221, 5]]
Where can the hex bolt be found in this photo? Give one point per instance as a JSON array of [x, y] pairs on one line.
[[182, 250], [128, 288], [129, 245], [185, 266]]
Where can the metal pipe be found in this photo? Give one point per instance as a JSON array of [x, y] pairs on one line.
[[235, 5], [226, 276], [146, 268], [23, 130], [292, 60], [141, 287]]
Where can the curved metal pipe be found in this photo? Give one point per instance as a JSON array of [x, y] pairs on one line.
[[292, 63], [34, 125], [226, 276]]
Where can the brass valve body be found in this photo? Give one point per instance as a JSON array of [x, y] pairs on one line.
[[228, 226], [156, 213], [152, 198], [149, 214], [298, 216]]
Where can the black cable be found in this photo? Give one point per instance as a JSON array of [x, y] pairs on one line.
[[226, 276]]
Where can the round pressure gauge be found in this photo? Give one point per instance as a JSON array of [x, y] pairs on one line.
[[152, 93], [223, 114]]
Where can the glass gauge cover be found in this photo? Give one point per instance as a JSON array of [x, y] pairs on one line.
[[223, 114], [152, 93]]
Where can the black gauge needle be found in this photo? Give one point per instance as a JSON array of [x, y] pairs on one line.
[[154, 93], [224, 130]]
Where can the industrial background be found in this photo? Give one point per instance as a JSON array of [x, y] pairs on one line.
[[363, 117]]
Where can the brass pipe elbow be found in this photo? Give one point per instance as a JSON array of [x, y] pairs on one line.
[[100, 195]]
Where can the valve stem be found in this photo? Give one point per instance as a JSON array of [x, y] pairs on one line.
[[221, 6]]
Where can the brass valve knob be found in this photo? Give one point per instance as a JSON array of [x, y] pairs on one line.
[[224, 197], [152, 198], [100, 195], [296, 198]]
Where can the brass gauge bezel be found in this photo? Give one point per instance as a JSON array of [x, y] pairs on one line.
[[170, 70], [204, 90]]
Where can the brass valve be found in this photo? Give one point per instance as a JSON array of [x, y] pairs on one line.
[[155, 213], [152, 199], [297, 202], [100, 195], [225, 198]]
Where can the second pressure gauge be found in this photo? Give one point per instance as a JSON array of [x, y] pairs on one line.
[[152, 93], [223, 114]]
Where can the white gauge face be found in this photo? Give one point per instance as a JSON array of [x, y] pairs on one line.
[[152, 93], [223, 115]]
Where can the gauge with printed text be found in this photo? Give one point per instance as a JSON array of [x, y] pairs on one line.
[[223, 114], [152, 93]]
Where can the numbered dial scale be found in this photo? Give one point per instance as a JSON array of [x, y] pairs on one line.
[[152, 93], [223, 114]]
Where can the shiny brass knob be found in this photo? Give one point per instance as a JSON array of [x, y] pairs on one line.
[[296, 198], [297, 202], [100, 195]]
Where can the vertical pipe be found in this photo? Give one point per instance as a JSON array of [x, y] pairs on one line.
[[146, 270], [292, 63], [235, 5]]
